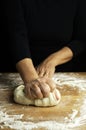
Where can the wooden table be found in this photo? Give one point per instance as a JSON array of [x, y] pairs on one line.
[[69, 114]]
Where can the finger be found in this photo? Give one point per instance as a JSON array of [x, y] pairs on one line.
[[38, 70], [41, 74], [33, 95], [37, 91], [51, 84], [28, 93], [45, 89], [57, 94], [48, 81], [45, 74]]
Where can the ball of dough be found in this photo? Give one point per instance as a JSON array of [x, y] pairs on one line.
[[19, 97]]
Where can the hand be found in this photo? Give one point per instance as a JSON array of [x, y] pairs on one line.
[[47, 67], [57, 94], [39, 88]]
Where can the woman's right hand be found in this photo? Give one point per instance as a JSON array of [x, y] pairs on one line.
[[39, 88], [35, 86], [36, 89]]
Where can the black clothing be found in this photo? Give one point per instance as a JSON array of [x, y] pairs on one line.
[[40, 27]]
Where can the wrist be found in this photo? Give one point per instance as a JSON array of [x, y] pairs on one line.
[[26, 70], [62, 56]]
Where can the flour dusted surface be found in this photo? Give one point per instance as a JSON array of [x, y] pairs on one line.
[[74, 118]]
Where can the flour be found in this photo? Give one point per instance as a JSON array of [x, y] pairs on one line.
[[16, 123], [71, 80], [71, 121], [72, 115]]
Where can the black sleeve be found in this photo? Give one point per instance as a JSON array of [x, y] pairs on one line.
[[78, 42], [19, 42]]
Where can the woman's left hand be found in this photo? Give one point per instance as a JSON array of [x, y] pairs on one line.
[[47, 67]]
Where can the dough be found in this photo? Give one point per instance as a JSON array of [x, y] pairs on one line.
[[19, 97]]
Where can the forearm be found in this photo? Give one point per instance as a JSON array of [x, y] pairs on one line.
[[47, 67], [29, 75], [26, 69], [62, 56]]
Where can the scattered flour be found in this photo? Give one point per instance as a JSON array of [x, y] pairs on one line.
[[14, 122], [72, 121], [71, 80]]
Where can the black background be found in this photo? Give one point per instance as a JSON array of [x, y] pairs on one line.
[[76, 65]]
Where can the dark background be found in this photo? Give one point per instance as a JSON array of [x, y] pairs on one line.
[[76, 65]]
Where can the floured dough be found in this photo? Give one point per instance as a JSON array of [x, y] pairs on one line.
[[19, 97]]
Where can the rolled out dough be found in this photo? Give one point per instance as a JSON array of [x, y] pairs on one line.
[[19, 97]]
